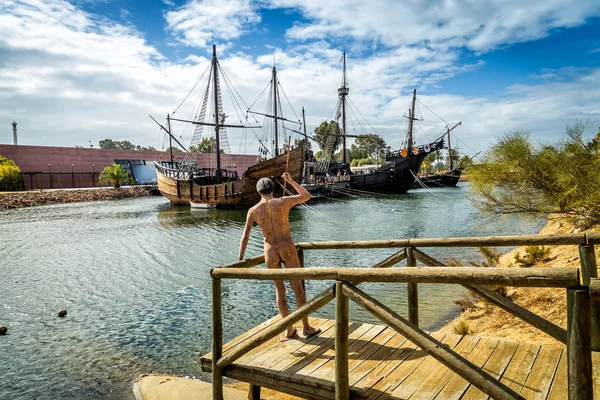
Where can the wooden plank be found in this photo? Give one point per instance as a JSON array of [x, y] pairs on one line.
[[311, 352], [520, 365], [434, 379], [495, 366], [539, 380], [463, 367], [244, 336], [579, 346], [303, 374], [406, 368], [370, 363], [273, 345], [457, 386], [296, 389], [276, 328], [560, 384], [326, 371], [273, 358]]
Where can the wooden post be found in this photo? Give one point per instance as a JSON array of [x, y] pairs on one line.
[[579, 352], [301, 260], [217, 341], [413, 293], [39, 182], [30, 182], [342, 386], [589, 270], [253, 392]]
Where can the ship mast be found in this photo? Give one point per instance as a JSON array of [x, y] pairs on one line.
[[304, 126], [342, 93], [411, 118], [216, 95], [275, 111]]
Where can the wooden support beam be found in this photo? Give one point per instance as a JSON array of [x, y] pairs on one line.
[[530, 277], [518, 311], [433, 347], [247, 263], [579, 346], [413, 291], [217, 340], [253, 392], [589, 271], [278, 327], [342, 385], [391, 260], [520, 240]]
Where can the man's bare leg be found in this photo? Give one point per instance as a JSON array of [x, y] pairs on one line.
[[290, 259], [282, 306]]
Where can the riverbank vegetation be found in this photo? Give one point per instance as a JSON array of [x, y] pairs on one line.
[[10, 175], [518, 176], [115, 175]]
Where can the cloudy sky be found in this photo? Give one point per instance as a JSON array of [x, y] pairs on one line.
[[77, 71]]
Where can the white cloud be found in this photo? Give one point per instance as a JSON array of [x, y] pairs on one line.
[[67, 77], [197, 21], [478, 25]]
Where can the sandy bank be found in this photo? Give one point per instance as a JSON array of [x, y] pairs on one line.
[[485, 319], [44, 197]]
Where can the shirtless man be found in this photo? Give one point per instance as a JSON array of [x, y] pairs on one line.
[[272, 216]]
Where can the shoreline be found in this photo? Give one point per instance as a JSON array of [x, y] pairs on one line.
[[32, 198], [487, 320]]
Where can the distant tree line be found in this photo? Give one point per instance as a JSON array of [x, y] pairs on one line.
[[122, 145]]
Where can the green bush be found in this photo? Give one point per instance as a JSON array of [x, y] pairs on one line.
[[115, 174], [10, 175], [461, 328], [533, 255]]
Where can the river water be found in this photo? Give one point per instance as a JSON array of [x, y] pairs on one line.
[[134, 277]]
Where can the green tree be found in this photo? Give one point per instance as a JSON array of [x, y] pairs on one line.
[[175, 150], [372, 145], [206, 145], [465, 162], [122, 145], [116, 175], [517, 176], [10, 175], [452, 158], [300, 143], [327, 136]]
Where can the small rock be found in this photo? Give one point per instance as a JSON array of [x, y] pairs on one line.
[[3, 330], [62, 313]]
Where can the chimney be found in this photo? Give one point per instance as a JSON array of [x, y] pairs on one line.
[[15, 133]]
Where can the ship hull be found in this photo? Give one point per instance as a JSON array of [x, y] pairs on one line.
[[395, 176], [235, 194], [448, 179]]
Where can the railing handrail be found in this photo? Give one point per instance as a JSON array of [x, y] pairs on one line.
[[491, 241], [534, 277]]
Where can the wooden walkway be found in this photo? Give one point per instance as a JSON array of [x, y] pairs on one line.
[[384, 365]]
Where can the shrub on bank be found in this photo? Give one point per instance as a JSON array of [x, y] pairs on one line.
[[533, 255], [10, 175]]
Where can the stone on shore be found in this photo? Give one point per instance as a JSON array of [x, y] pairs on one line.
[[62, 313], [3, 330]]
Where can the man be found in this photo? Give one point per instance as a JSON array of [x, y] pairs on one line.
[[272, 216]]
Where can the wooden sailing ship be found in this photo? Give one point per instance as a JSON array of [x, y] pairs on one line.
[[447, 178], [397, 174], [183, 182]]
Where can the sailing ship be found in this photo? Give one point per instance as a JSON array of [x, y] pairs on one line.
[[447, 178], [397, 174], [184, 182]]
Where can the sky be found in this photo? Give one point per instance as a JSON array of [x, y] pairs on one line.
[[77, 72]]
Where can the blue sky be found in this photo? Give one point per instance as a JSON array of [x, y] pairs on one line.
[[85, 70]]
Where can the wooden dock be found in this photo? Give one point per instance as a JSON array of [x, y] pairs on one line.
[[383, 364]]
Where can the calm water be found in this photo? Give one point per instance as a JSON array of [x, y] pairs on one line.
[[133, 275]]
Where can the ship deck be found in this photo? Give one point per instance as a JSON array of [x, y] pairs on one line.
[[383, 364]]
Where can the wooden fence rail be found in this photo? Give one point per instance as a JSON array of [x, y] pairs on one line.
[[583, 292]]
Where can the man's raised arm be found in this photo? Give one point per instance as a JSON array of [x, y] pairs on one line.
[[303, 194]]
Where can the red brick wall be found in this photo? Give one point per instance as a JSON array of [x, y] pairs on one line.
[[36, 159]]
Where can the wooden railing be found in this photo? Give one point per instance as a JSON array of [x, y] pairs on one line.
[[583, 289]]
